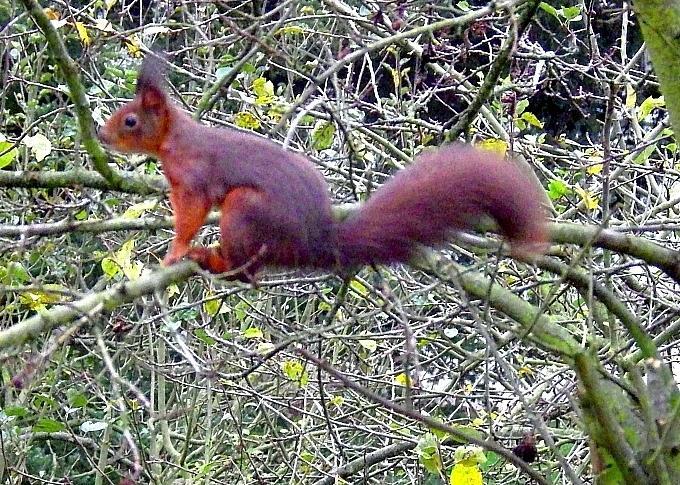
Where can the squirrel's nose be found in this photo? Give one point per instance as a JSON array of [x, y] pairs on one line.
[[103, 137]]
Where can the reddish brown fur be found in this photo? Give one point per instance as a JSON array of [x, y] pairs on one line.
[[275, 205]]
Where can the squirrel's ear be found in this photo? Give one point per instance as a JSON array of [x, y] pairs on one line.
[[151, 81], [153, 97]]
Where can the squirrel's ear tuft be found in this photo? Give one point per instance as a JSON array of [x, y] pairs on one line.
[[152, 72]]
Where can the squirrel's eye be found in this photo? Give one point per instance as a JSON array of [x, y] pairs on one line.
[[130, 121]]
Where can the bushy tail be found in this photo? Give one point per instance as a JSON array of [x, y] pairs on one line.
[[444, 190]]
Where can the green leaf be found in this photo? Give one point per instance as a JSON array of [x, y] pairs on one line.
[[14, 273], [322, 135], [492, 458], [44, 425], [549, 9], [295, 371], [428, 452], [522, 104], [203, 336], [17, 411], [648, 105], [644, 155], [223, 72], [8, 157], [77, 399], [464, 6], [252, 333], [558, 188], [532, 119], [571, 13]]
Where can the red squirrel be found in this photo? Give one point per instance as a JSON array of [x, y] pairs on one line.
[[275, 205]]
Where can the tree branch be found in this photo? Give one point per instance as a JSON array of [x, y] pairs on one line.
[[81, 103]]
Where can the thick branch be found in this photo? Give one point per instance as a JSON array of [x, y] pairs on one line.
[[117, 295], [535, 325], [131, 182]]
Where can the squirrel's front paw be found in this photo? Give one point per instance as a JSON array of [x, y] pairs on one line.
[[169, 260], [174, 256]]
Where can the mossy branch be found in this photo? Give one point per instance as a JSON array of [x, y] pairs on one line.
[[534, 325], [95, 303], [131, 182], [69, 69], [667, 260]]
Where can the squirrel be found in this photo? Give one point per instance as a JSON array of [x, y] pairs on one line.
[[275, 204]]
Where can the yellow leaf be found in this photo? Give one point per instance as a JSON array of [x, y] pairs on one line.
[[133, 271], [296, 372], [212, 305], [171, 290], [252, 333], [133, 45], [82, 33], [247, 120], [469, 455], [589, 200], [402, 380], [264, 90], [525, 370], [358, 287], [368, 344], [290, 30], [395, 77], [136, 210], [467, 390], [122, 261], [463, 474], [51, 13], [649, 105], [478, 422], [494, 145], [594, 169], [264, 348]]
